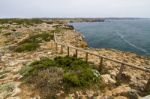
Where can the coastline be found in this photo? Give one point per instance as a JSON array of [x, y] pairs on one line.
[[12, 62], [112, 67], [132, 47], [122, 55]]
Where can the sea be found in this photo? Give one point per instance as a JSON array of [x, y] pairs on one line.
[[132, 35]]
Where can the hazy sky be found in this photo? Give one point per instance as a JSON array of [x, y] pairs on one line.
[[74, 8]]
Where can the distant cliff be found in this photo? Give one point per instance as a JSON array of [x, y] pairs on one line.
[[87, 20], [77, 19]]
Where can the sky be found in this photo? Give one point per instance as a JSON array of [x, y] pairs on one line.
[[74, 8]]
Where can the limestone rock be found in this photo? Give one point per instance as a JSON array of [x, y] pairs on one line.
[[107, 79], [90, 93], [121, 90]]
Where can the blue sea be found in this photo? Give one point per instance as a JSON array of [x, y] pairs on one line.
[[125, 35]]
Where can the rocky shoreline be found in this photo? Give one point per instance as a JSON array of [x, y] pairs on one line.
[[134, 79]]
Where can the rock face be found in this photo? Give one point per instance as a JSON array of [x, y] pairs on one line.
[[73, 38]]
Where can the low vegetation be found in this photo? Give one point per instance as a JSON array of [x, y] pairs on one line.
[[7, 34], [38, 38], [62, 73], [3, 27], [61, 28], [21, 21], [32, 43], [6, 89], [27, 47]]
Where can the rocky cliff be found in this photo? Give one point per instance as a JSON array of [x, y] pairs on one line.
[[131, 85]]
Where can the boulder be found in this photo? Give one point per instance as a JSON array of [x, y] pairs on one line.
[[121, 90], [90, 93], [107, 79]]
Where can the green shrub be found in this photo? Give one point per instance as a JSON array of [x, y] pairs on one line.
[[80, 78], [32, 43], [38, 38], [65, 61], [26, 47], [25, 71], [7, 34], [43, 63], [72, 63], [76, 74], [35, 66], [74, 68], [72, 79]]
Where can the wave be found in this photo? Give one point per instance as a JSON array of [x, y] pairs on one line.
[[131, 44]]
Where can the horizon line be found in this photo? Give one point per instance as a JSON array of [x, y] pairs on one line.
[[73, 17]]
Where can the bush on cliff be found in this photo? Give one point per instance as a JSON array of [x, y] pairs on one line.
[[78, 72], [64, 73], [32, 43], [38, 38], [80, 78], [26, 47]]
